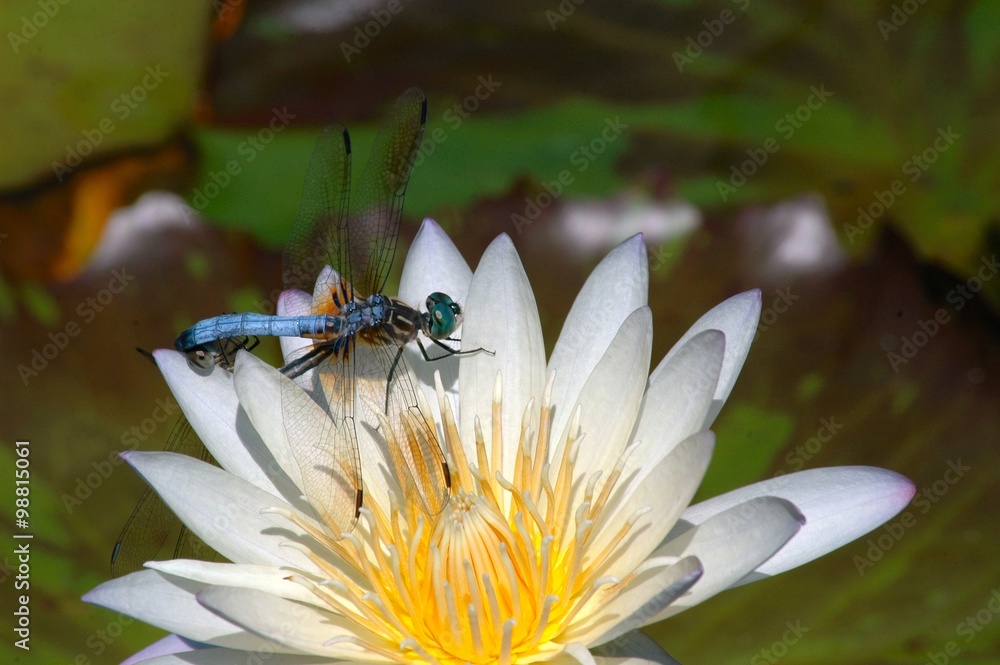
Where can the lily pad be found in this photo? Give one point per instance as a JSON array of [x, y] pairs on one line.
[[90, 79]]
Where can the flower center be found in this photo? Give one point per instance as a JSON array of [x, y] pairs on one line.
[[504, 574]]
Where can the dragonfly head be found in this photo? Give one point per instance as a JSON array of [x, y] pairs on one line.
[[443, 316]]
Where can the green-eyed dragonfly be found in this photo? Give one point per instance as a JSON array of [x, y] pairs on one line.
[[341, 250]]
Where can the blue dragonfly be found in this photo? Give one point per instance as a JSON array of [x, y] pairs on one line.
[[354, 366]]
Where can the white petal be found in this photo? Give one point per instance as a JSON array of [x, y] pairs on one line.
[[632, 648], [678, 398], [646, 595], [422, 371], [737, 317], [665, 489], [574, 654], [223, 510], [171, 644], [293, 625], [262, 390], [839, 504], [262, 578], [293, 302], [434, 264], [327, 278], [234, 657], [660, 472], [258, 386], [170, 604], [210, 404], [501, 317], [617, 287], [730, 545], [611, 397]]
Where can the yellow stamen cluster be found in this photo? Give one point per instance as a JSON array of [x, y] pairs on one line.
[[506, 573]]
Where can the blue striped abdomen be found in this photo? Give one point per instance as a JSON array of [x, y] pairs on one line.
[[229, 326]]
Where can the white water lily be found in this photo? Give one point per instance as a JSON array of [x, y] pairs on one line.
[[568, 526]]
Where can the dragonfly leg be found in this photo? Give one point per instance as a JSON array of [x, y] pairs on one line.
[[392, 370], [463, 353], [450, 351], [311, 359]]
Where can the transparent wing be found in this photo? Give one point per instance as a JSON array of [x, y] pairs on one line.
[[190, 546], [384, 384], [340, 385], [359, 241], [378, 200], [319, 406], [152, 522], [319, 236], [318, 416]]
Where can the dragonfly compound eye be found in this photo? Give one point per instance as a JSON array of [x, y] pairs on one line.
[[445, 315], [437, 298]]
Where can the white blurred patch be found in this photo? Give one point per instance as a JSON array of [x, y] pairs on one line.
[[323, 15], [793, 237], [126, 234], [592, 226]]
